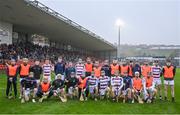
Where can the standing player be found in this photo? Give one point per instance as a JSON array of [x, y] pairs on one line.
[[24, 70], [58, 88], [117, 84], [47, 68], [12, 71], [156, 73], [114, 67], [69, 70], [149, 89], [145, 69], [88, 67], [131, 68], [37, 70], [104, 82], [59, 68], [29, 86], [127, 88], [124, 68], [72, 85], [137, 88], [97, 69], [80, 68], [169, 72], [93, 86], [106, 68], [137, 68]]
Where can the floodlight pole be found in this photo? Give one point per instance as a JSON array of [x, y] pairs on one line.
[[118, 48]]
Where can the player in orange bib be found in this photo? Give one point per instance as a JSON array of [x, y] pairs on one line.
[[114, 67], [88, 67], [97, 69], [149, 88], [137, 88], [169, 72], [145, 69]]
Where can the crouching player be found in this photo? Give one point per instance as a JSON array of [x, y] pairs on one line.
[[104, 82], [72, 85], [44, 89], [127, 88], [149, 90], [82, 87], [57, 88], [93, 86], [117, 84], [137, 88], [29, 86]]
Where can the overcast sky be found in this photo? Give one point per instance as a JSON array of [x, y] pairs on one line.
[[146, 21]]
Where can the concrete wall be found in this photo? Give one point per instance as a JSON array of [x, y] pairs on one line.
[[5, 33]]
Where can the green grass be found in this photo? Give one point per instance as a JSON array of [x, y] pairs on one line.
[[54, 106]]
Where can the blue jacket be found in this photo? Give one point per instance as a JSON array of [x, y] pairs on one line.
[[59, 68]]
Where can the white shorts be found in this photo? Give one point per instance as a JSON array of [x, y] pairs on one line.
[[92, 89], [116, 91], [27, 92], [168, 82], [71, 90], [125, 92], [157, 81], [103, 91]]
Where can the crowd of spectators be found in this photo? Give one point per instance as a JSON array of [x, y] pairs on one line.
[[32, 51]]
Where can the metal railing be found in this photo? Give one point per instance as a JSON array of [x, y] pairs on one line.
[[48, 10]]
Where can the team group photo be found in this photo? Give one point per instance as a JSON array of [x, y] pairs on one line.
[[52, 64]]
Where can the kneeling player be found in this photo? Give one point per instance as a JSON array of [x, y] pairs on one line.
[[82, 88], [57, 88], [117, 84], [137, 88], [104, 89], [93, 86], [29, 86], [44, 89], [72, 85], [149, 90], [127, 88]]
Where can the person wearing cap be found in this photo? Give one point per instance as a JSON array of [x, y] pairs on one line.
[[44, 89], [58, 88], [169, 72], [137, 87], [72, 85], [37, 70], [24, 70], [156, 73], [29, 86], [12, 71]]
